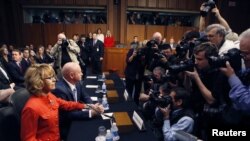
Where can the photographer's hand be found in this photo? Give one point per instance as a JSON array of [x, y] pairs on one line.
[[194, 75], [165, 111], [228, 70]]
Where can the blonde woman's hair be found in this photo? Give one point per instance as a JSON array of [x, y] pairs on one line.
[[35, 75]]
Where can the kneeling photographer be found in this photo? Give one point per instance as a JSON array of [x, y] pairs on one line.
[[174, 111]]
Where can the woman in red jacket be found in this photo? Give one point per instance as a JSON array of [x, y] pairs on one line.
[[109, 40], [39, 119]]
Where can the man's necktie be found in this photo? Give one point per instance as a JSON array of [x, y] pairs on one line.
[[75, 94]]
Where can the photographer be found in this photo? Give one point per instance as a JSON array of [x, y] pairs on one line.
[[215, 32], [65, 50], [177, 115], [239, 93], [164, 58], [134, 72], [210, 94]]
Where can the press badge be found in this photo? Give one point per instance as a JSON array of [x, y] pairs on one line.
[[97, 49]]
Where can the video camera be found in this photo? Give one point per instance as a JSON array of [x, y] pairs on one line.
[[233, 56], [151, 43], [208, 6]]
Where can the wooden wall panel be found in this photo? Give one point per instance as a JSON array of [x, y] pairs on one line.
[[67, 2], [81, 2], [150, 30], [182, 4], [30, 2], [192, 5], [33, 34], [152, 3], [142, 3], [102, 2], [71, 29], [135, 30], [172, 4], [93, 28], [175, 32], [131, 3], [162, 3], [91, 2], [51, 31]]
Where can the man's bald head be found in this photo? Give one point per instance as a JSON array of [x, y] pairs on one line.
[[70, 70], [157, 36], [61, 36]]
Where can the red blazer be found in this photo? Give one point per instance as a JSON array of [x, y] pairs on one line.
[[109, 41], [40, 120]]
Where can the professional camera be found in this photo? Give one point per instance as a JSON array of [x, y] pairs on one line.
[[158, 56], [162, 101], [65, 43], [152, 43], [233, 56], [187, 65], [208, 6]]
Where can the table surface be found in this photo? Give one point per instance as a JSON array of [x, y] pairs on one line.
[[87, 130]]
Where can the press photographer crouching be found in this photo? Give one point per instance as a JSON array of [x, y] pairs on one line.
[[239, 93], [174, 111]]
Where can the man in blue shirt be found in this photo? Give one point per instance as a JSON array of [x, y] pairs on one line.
[[240, 93], [177, 116]]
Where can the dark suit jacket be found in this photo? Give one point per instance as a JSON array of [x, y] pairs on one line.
[[97, 51], [16, 74], [4, 82], [63, 91], [136, 66]]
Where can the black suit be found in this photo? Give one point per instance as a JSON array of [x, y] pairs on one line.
[[134, 72], [64, 91], [97, 51], [4, 81], [16, 73]]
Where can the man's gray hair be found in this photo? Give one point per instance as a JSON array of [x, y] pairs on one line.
[[221, 30]]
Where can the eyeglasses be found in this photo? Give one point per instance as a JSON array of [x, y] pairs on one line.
[[51, 77]]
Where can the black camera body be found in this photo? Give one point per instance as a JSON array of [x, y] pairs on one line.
[[233, 56], [158, 56], [162, 102], [187, 65], [65, 43], [151, 43], [208, 6]]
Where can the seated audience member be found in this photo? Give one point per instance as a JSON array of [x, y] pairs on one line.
[[109, 40], [39, 118], [70, 88], [177, 116], [16, 68]]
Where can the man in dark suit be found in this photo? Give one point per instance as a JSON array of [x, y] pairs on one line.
[[16, 69], [69, 88], [5, 79], [97, 52]]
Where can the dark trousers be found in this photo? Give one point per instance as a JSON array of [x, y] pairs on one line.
[[96, 67], [134, 88]]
